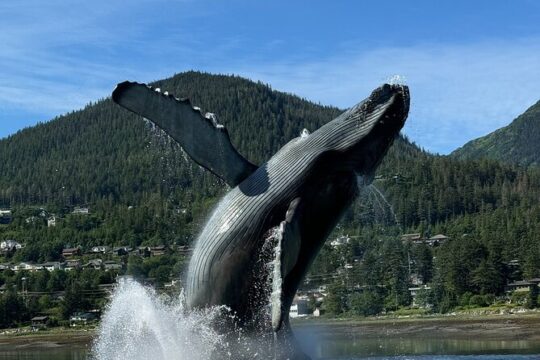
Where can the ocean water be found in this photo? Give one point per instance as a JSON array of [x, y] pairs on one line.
[[83, 354], [456, 357], [329, 343], [382, 349]]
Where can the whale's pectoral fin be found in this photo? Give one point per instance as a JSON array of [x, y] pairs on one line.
[[206, 142], [291, 238], [288, 255]]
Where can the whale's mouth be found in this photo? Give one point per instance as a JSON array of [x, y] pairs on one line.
[[378, 120], [394, 101]]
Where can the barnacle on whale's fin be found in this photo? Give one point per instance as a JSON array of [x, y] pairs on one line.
[[206, 141]]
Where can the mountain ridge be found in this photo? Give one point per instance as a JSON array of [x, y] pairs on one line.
[[518, 142]]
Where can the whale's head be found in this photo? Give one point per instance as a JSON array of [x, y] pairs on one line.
[[362, 135]]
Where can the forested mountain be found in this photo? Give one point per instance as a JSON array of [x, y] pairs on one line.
[[142, 189], [518, 143], [104, 151]]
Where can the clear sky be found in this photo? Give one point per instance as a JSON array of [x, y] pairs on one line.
[[472, 66]]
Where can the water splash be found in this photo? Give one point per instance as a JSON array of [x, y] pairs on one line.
[[389, 206], [368, 190], [276, 297], [138, 324], [304, 134], [396, 80], [268, 279]]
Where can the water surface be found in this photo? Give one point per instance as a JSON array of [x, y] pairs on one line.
[[340, 346]]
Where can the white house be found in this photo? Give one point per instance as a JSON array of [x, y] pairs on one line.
[[299, 308], [26, 266], [81, 211], [8, 245], [53, 265], [94, 264], [73, 264], [112, 265], [100, 249], [51, 222], [340, 240]]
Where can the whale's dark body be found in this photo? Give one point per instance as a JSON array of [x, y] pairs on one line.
[[304, 189]]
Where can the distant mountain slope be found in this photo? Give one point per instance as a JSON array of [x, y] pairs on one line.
[[107, 157], [103, 151], [517, 143]]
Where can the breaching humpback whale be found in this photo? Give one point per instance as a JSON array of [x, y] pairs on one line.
[[303, 190]]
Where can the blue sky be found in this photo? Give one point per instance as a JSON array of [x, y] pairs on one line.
[[472, 66]]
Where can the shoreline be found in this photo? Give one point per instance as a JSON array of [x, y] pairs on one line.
[[460, 327], [55, 338], [515, 327]]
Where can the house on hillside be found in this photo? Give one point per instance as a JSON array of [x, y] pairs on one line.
[[340, 241], [39, 323], [144, 251], [121, 251], [53, 265], [184, 250], [158, 250], [81, 211], [81, 319], [10, 245], [414, 238], [71, 252], [299, 308], [95, 264], [5, 216], [51, 222], [437, 240], [73, 264], [521, 286], [112, 265], [26, 266], [101, 249]]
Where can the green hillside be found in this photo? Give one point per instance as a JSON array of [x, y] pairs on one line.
[[517, 143], [104, 151]]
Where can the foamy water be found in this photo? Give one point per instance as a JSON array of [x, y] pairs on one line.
[[140, 324]]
